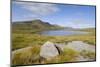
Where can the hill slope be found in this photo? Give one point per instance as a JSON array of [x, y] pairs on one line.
[[32, 26]]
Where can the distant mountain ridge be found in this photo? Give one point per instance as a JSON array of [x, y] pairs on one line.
[[33, 26], [38, 25]]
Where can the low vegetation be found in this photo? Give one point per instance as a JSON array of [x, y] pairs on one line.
[[25, 35], [88, 54], [27, 56], [24, 40]]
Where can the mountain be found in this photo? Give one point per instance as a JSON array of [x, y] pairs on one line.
[[32, 26]]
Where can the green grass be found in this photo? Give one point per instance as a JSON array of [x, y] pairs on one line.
[[24, 40], [68, 55], [26, 56], [31, 56]]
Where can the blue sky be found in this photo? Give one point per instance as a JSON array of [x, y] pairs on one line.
[[75, 16]]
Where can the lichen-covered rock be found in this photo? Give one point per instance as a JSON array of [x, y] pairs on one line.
[[80, 46], [48, 50]]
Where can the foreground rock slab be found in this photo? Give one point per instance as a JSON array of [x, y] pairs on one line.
[[80, 46], [48, 50]]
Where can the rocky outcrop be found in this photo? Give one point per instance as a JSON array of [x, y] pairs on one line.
[[48, 50], [80, 46]]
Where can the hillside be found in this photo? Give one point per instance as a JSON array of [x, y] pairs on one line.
[[32, 26]]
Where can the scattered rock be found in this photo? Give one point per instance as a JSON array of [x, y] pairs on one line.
[[80, 46], [48, 50]]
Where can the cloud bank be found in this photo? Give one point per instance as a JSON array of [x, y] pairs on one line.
[[38, 8]]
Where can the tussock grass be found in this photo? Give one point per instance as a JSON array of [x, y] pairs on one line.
[[35, 41], [85, 38], [29, 55], [24, 40], [88, 54], [68, 55]]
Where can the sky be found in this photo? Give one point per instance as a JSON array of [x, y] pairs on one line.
[[75, 16]]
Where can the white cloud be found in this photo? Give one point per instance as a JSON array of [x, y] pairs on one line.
[[38, 8]]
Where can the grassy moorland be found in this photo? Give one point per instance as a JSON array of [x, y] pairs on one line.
[[24, 40], [25, 35]]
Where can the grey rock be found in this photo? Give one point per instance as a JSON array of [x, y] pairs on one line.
[[60, 46], [48, 50], [80, 46]]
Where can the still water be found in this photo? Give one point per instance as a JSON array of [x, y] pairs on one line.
[[61, 32]]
